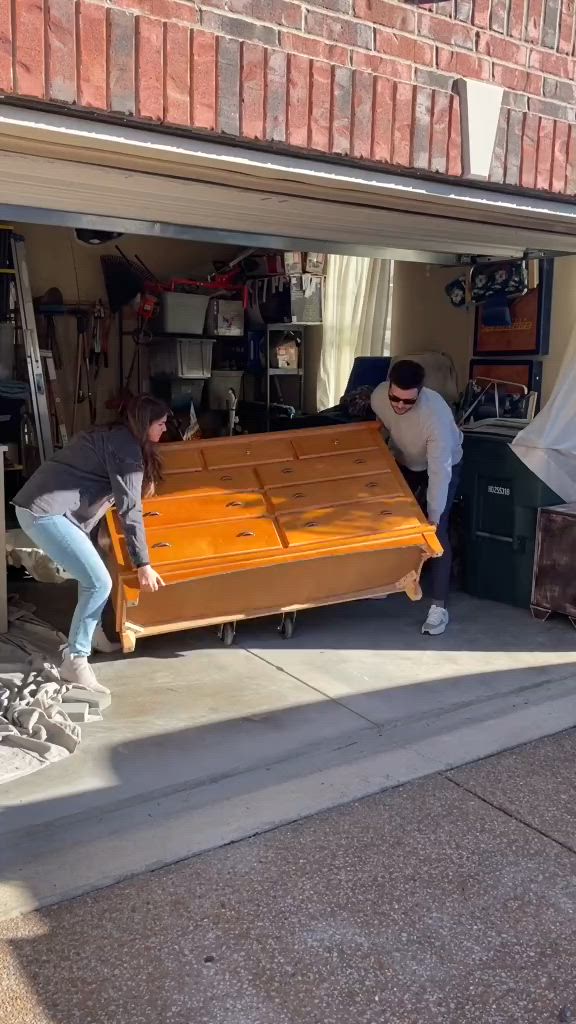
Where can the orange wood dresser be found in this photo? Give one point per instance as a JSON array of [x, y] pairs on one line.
[[271, 523]]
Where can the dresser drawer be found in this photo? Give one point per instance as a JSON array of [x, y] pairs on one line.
[[337, 526], [247, 453], [334, 492], [183, 455], [215, 540], [333, 442], [180, 485], [334, 467], [203, 509]]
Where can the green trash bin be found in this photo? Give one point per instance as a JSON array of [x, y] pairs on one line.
[[501, 498]]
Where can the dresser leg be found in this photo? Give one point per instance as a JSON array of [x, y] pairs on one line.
[[540, 613], [128, 638], [412, 587]]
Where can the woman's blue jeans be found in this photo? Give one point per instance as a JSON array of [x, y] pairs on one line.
[[73, 550]]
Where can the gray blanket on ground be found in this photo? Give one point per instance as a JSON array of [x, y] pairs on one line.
[[35, 729]]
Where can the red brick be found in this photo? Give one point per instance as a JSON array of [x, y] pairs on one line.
[[299, 91], [498, 15], [382, 66], [341, 127], [276, 98], [339, 30], [465, 64], [439, 139], [481, 13], [552, 64], [516, 19], [560, 152], [177, 73], [6, 77], [395, 45], [320, 106], [204, 79], [421, 132], [402, 124], [60, 51], [455, 139], [315, 48], [383, 109], [571, 162], [566, 28], [529, 151], [517, 79], [424, 54], [29, 48], [274, 12], [441, 30], [544, 155], [121, 62], [534, 20], [91, 54], [362, 114], [252, 91], [386, 12], [149, 68], [503, 49], [167, 10]]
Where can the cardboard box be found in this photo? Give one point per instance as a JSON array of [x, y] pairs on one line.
[[225, 318]]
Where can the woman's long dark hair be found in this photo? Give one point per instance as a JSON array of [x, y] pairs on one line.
[[138, 414]]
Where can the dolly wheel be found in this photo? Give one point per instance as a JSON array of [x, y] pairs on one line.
[[286, 627], [227, 632]]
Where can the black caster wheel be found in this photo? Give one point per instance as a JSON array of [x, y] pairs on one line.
[[287, 626], [227, 632]]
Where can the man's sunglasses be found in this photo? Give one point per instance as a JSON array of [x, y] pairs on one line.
[[402, 401]]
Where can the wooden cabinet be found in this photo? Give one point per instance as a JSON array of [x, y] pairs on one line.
[[554, 581], [271, 523]]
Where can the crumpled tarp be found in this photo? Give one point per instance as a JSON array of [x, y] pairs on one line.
[[35, 729]]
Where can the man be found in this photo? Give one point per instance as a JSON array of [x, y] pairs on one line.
[[427, 446]]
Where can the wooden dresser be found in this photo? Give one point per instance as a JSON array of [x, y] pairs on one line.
[[271, 523]]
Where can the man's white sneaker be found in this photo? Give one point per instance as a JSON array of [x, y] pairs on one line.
[[75, 669], [437, 621], [101, 644]]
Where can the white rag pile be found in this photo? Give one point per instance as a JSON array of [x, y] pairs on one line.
[[36, 728]]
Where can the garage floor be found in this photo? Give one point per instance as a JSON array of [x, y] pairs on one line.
[[205, 745]]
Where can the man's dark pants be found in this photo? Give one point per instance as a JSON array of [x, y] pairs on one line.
[[439, 568]]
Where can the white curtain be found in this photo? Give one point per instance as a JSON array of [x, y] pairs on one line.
[[355, 316], [548, 444]]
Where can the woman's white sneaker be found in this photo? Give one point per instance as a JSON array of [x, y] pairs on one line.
[[437, 621], [101, 644], [76, 670]]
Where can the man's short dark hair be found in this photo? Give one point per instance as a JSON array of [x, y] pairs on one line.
[[406, 375]]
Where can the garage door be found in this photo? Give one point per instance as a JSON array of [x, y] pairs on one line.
[[63, 170]]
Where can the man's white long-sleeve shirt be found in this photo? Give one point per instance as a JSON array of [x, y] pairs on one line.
[[425, 438]]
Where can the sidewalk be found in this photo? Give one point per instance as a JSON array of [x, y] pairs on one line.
[[450, 900]]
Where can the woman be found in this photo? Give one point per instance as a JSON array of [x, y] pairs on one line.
[[66, 497]]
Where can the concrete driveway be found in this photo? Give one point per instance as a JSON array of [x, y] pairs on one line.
[[205, 745]]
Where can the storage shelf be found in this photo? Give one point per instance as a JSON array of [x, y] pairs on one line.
[[284, 371]]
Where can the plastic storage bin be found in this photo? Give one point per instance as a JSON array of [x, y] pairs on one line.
[[182, 314], [181, 357], [220, 384]]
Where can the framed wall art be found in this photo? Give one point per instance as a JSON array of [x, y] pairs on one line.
[[507, 327]]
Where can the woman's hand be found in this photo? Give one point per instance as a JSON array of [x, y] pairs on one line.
[[148, 578]]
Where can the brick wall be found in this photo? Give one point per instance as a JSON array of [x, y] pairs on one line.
[[368, 79]]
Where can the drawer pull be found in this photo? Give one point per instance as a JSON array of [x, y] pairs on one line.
[[359, 462], [226, 477], [310, 526], [287, 470], [148, 515], [335, 443], [384, 512], [371, 485], [299, 494], [246, 533], [248, 451], [235, 504], [162, 544]]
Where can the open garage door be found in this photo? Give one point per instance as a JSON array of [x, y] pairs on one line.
[[64, 170]]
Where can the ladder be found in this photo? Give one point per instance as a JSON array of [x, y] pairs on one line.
[[34, 355]]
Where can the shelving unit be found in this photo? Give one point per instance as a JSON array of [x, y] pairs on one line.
[[274, 374]]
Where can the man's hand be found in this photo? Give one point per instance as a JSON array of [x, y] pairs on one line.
[[148, 578]]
